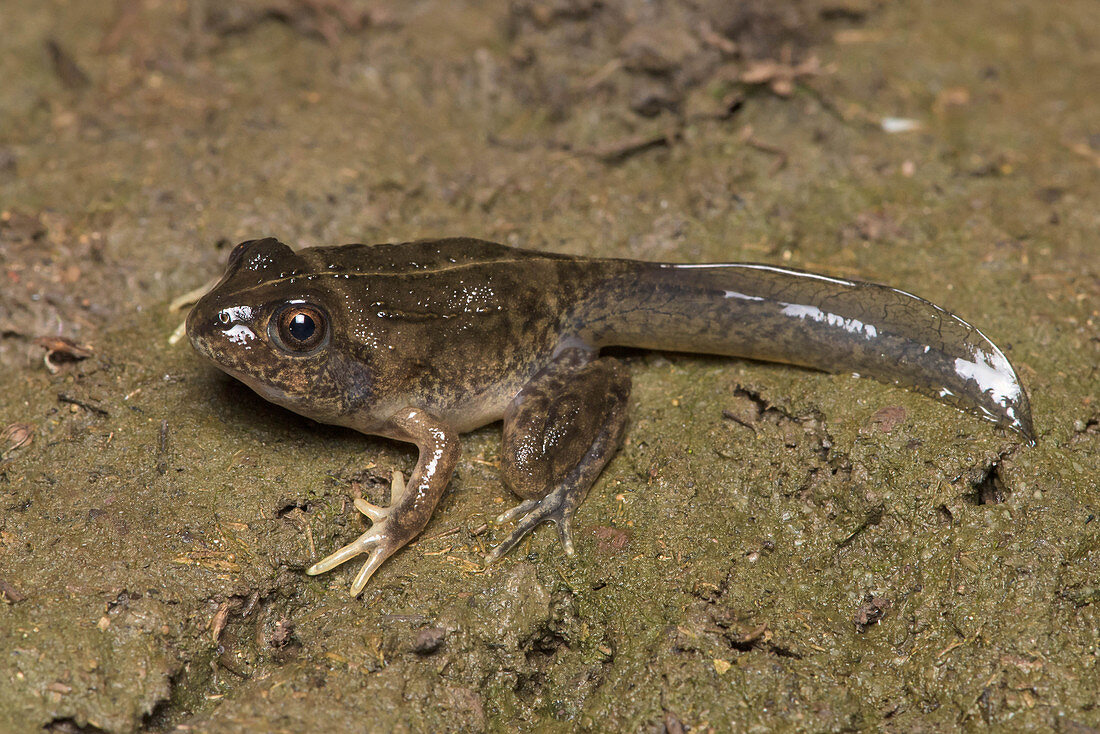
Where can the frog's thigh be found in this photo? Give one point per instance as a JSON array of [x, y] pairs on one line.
[[559, 432]]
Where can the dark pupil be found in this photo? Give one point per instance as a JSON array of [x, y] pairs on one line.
[[302, 327]]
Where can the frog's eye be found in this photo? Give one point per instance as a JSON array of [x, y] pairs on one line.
[[300, 327]]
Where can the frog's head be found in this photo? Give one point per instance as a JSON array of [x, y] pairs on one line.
[[270, 324]]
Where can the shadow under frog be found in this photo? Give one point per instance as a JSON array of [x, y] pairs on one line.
[[421, 341]]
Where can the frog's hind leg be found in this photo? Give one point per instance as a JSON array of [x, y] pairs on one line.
[[559, 433]]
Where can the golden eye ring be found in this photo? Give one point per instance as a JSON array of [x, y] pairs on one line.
[[300, 327]]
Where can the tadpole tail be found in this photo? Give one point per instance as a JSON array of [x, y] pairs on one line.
[[783, 315]]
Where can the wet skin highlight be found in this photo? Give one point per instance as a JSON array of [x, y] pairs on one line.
[[421, 341]]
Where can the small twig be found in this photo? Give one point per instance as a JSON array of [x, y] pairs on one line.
[[162, 449], [184, 300], [619, 151], [66, 398], [444, 534], [192, 296], [949, 648], [127, 19], [603, 74], [1084, 150], [748, 139], [729, 414]]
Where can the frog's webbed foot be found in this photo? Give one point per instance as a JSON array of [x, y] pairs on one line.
[[557, 507], [559, 432], [376, 541], [411, 506]]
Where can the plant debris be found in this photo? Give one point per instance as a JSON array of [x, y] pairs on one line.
[[325, 19], [9, 592], [429, 640], [620, 150], [67, 70], [17, 435], [87, 405], [871, 611], [780, 76], [60, 349]]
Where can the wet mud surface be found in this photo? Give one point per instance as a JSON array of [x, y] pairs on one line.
[[772, 548]]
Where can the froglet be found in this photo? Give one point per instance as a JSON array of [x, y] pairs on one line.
[[422, 341]]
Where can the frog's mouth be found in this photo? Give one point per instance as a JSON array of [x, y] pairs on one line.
[[267, 391], [261, 387]]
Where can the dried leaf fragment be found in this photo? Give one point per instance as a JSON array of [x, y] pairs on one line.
[[17, 435], [871, 611], [10, 594], [888, 418], [62, 349], [65, 66], [218, 622]]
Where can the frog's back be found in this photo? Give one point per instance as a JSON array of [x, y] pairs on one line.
[[420, 257], [456, 292]]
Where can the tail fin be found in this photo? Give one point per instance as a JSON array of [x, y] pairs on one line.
[[781, 315]]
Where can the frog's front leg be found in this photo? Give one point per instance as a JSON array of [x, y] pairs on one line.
[[559, 433], [411, 504]]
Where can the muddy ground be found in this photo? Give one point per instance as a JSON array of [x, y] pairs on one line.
[[773, 548]]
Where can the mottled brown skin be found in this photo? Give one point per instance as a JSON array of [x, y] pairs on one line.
[[421, 341]]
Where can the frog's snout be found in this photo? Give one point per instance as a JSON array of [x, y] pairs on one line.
[[214, 333], [205, 331], [197, 325]]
